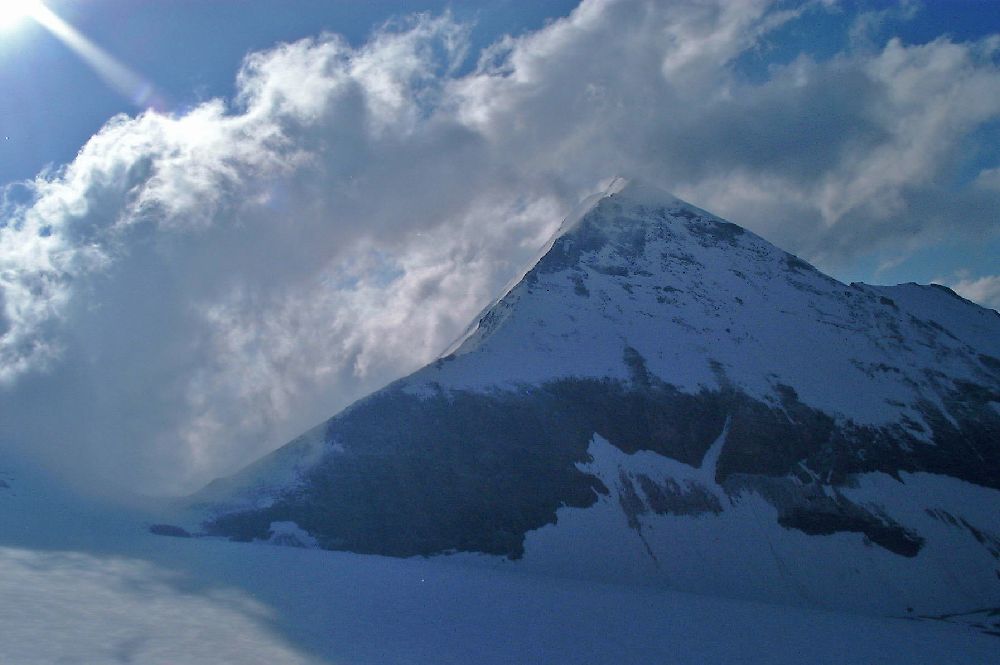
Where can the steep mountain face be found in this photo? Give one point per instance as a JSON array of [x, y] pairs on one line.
[[667, 397]]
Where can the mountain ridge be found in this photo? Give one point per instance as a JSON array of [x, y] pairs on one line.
[[652, 330]]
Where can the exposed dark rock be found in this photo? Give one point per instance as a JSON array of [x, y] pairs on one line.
[[629, 500], [567, 250], [458, 470], [668, 497], [796, 264], [470, 471], [991, 541], [942, 287], [891, 536], [713, 231], [942, 515], [636, 365], [807, 508], [986, 619], [990, 362]]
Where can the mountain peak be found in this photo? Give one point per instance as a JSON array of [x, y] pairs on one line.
[[633, 191], [641, 192], [665, 389], [631, 230]]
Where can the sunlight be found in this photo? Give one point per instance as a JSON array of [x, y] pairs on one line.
[[14, 12], [116, 74]]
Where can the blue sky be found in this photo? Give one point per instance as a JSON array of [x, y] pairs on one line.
[[311, 198], [190, 49]]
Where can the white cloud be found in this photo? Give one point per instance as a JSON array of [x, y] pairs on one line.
[[72, 606], [194, 289], [983, 290], [989, 179]]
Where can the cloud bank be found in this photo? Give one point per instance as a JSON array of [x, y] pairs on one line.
[[196, 288], [984, 290]]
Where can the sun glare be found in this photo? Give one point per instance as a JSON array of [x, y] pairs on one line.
[[14, 12]]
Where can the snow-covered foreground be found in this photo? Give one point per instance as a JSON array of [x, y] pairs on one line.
[[82, 583], [165, 600]]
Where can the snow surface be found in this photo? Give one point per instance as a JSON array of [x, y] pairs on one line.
[[82, 583], [742, 552], [687, 298], [257, 485]]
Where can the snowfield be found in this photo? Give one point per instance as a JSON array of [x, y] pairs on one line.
[[155, 600]]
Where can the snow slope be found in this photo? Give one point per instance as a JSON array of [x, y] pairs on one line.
[[667, 398], [82, 584]]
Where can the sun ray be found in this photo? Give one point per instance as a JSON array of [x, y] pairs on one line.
[[113, 72], [15, 12]]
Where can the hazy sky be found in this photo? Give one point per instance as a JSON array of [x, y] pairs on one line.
[[226, 220]]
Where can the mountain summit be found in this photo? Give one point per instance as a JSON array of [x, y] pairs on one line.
[[666, 397]]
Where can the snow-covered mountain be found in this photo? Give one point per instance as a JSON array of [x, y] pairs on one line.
[[668, 398]]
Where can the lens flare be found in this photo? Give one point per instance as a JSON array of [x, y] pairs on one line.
[[117, 75], [14, 12]]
